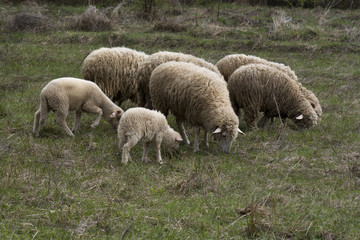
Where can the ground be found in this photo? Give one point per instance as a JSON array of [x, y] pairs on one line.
[[276, 183]]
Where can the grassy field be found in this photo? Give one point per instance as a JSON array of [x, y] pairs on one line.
[[277, 183]]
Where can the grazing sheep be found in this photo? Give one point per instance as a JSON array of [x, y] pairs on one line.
[[154, 60], [260, 88], [230, 63], [149, 126], [64, 94], [198, 96], [114, 69]]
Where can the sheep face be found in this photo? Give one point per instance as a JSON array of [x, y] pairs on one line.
[[225, 138], [306, 120], [114, 118], [172, 139]]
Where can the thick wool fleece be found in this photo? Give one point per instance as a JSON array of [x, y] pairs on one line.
[[65, 94], [230, 63], [114, 70], [260, 88], [153, 61], [193, 94], [148, 126]]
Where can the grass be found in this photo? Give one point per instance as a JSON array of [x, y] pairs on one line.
[[276, 183]]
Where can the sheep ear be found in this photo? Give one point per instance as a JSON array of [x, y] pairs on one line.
[[239, 131], [299, 117], [178, 139], [113, 114], [218, 130], [116, 113]]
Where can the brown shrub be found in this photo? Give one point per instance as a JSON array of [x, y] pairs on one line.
[[92, 20], [170, 26], [28, 22]]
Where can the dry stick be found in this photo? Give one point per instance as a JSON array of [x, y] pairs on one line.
[[278, 110], [127, 230]]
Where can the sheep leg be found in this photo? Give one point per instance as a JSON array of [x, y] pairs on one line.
[[77, 120], [263, 121], [94, 109], [158, 141], [61, 120], [146, 147], [196, 139], [206, 138], [182, 131], [36, 127], [250, 117], [126, 150]]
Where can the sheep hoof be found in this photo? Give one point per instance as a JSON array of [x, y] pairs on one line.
[[161, 162]]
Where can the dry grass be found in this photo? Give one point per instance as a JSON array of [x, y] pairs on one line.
[[25, 21], [92, 20]]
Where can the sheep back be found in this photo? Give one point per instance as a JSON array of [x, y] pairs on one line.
[[230, 63], [114, 70], [154, 60]]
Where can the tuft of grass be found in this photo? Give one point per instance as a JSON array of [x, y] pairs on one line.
[[24, 21], [92, 20]]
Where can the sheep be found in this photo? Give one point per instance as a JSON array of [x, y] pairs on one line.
[[64, 94], [114, 69], [198, 96], [154, 60], [230, 63], [259, 88], [149, 126]]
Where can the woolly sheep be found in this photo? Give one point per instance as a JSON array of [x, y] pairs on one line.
[[114, 69], [64, 94], [260, 88], [149, 126], [154, 60], [198, 96], [230, 63]]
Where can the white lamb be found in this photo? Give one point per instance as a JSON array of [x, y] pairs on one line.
[[64, 94], [149, 126]]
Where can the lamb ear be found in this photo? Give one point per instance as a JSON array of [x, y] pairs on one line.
[[218, 130], [299, 117], [178, 139], [113, 114], [239, 131], [116, 113]]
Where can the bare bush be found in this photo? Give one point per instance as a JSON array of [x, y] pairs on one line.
[[280, 20], [170, 26], [28, 22], [92, 20]]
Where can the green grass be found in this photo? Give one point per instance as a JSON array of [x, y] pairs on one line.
[[277, 183]]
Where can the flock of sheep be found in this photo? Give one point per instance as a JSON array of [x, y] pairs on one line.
[[197, 92]]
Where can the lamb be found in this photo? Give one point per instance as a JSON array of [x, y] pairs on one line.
[[230, 63], [114, 69], [154, 60], [64, 94], [260, 88], [198, 96], [149, 126]]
